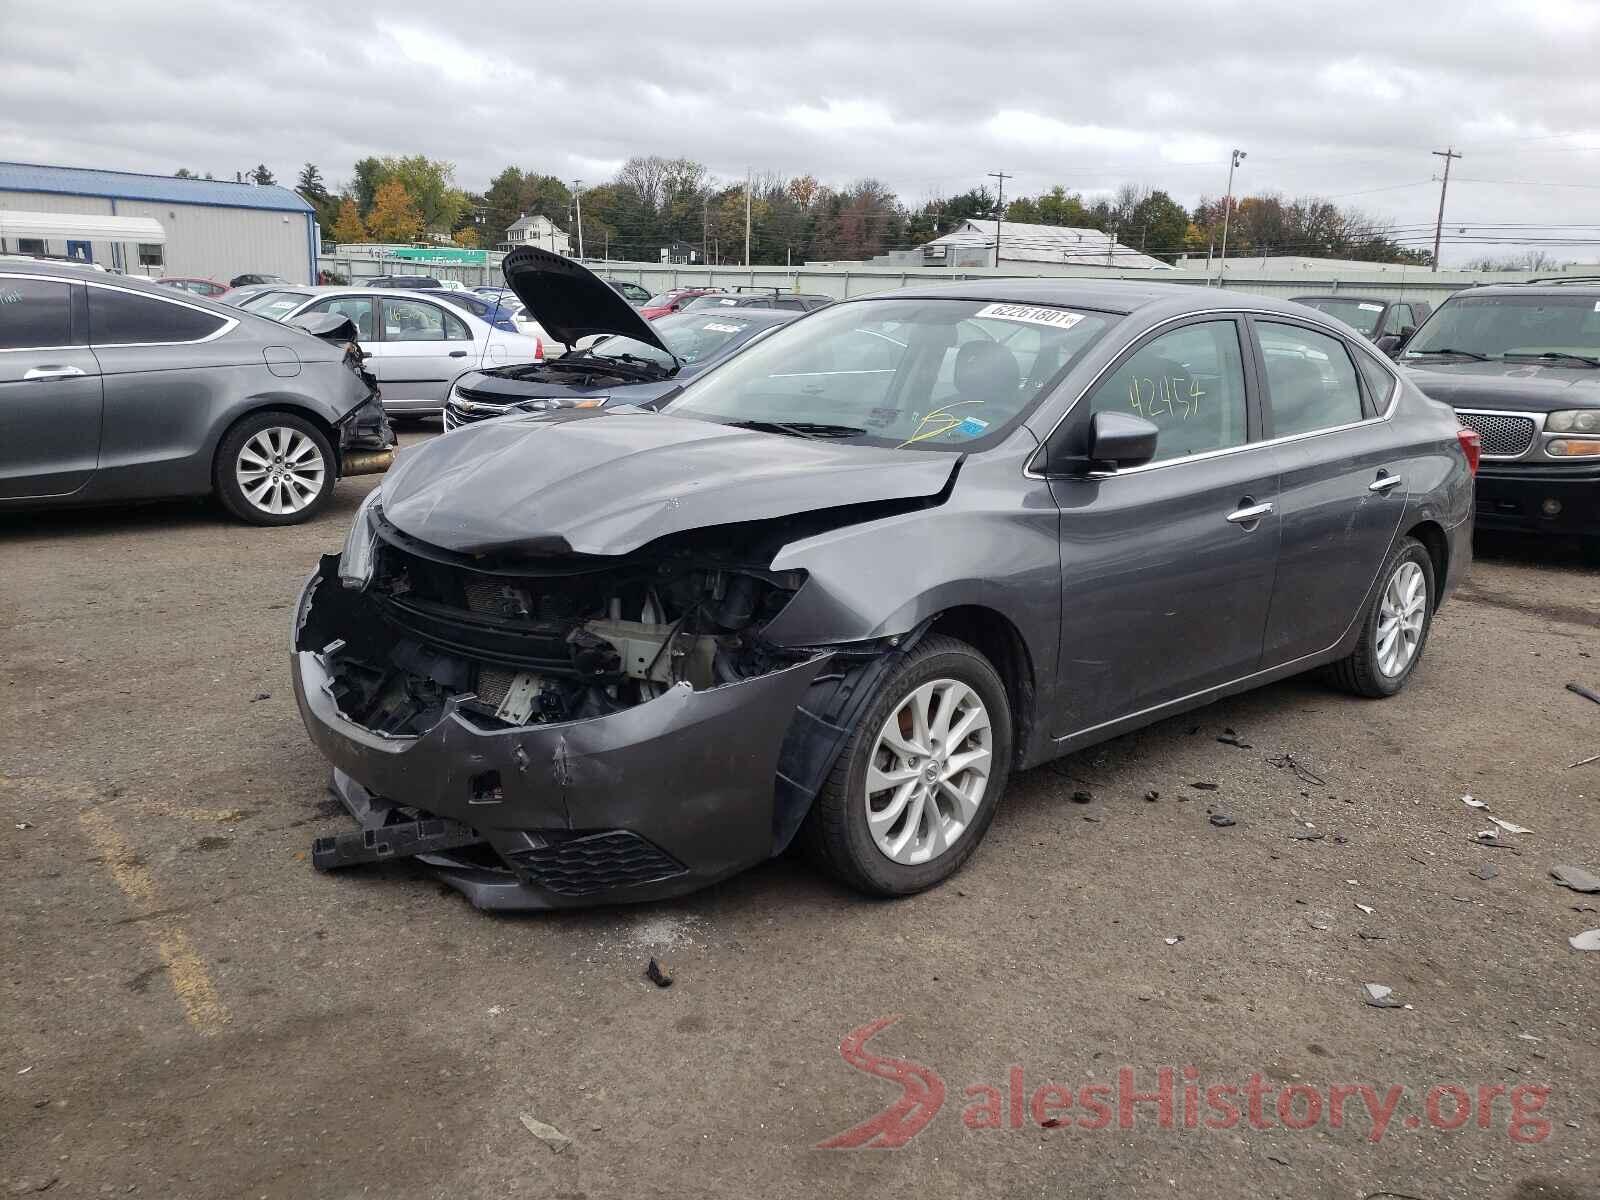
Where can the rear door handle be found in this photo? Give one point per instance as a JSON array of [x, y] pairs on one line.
[[1383, 482], [52, 372], [458, 354], [1250, 513]]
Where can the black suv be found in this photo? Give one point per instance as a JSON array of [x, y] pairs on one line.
[[1520, 363]]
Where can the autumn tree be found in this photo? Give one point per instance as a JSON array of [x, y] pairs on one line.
[[395, 216], [467, 237], [349, 228]]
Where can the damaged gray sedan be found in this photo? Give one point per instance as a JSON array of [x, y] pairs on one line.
[[845, 584]]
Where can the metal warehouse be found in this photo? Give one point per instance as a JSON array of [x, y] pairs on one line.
[[202, 227]]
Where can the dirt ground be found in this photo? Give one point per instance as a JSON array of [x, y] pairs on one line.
[[191, 1011]]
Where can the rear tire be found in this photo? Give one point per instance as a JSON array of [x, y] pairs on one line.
[[936, 745], [1395, 628], [274, 468]]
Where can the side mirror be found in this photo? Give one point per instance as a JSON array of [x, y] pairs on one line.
[[1406, 333], [1121, 439], [1389, 343]]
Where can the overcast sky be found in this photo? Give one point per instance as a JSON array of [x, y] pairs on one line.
[[1341, 100]]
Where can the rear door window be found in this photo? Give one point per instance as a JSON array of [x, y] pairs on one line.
[[1189, 383], [1311, 382], [35, 314], [118, 318]]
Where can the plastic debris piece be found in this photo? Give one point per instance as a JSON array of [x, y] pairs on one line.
[[24, 824], [1589, 939], [1584, 762], [1233, 739], [1368, 935], [1204, 787], [1304, 773], [1509, 826], [1366, 908], [548, 1134], [1082, 797], [1221, 820], [1576, 878], [1307, 835], [1379, 996], [1173, 941], [1586, 693], [1152, 795], [1487, 871], [259, 696], [1471, 803], [657, 974]]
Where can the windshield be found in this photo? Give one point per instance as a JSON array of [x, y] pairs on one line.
[[692, 338], [1511, 326], [275, 305], [1360, 315], [661, 300], [935, 374]]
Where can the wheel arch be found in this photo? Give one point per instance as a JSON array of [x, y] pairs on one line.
[[993, 635], [288, 408], [1431, 534]]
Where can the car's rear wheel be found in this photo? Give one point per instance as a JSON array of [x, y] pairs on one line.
[[1396, 625], [916, 786], [275, 469]]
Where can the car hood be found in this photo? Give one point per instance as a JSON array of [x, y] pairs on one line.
[[570, 300], [1512, 386], [591, 482]]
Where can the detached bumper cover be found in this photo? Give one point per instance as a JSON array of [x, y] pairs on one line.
[[1513, 498], [657, 800]]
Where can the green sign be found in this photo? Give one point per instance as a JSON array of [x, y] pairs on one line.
[[441, 254]]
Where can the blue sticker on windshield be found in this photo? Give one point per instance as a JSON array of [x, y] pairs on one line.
[[972, 427]]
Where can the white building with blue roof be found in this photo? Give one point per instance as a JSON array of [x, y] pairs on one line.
[[203, 228]]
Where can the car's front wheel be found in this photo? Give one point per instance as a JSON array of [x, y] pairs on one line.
[[1395, 626], [275, 469], [915, 788]]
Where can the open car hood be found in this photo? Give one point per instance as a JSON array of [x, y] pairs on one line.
[[590, 482], [570, 300]]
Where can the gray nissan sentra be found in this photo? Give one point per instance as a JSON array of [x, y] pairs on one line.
[[845, 584]]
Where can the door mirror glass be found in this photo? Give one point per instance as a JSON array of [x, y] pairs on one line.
[[1405, 333], [1121, 440], [1389, 343]]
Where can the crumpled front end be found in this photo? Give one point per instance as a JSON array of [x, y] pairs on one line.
[[552, 733]]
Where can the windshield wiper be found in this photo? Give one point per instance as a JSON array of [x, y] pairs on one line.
[[804, 429], [1562, 355], [1452, 350]]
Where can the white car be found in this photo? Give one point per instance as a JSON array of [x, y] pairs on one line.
[[415, 346]]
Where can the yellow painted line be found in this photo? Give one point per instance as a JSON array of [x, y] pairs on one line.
[[186, 970]]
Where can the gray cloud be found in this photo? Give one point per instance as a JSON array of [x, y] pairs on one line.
[[927, 95]]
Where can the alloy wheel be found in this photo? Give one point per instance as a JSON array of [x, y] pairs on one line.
[[280, 470], [1401, 614], [929, 771]]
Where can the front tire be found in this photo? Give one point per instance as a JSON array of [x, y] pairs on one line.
[[916, 786], [275, 469], [1396, 626]]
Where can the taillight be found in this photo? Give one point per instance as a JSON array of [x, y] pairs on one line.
[[538, 356], [1471, 446]]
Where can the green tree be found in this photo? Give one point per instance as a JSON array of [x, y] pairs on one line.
[[184, 173], [1157, 226], [348, 227], [431, 185], [311, 187], [1060, 207], [368, 174], [263, 176], [395, 216]]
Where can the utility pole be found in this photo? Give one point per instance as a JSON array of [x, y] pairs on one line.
[[747, 216], [577, 199], [1111, 244], [1227, 211], [1447, 154], [999, 211], [705, 228]]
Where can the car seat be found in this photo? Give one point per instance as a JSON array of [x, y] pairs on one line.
[[987, 372]]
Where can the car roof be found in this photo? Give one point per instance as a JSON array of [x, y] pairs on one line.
[[1352, 298], [769, 316], [1587, 290], [1119, 296]]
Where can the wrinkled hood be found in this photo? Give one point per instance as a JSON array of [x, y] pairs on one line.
[[591, 482], [570, 300], [1514, 386]]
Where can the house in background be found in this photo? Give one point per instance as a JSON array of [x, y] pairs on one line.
[[538, 231], [680, 254]]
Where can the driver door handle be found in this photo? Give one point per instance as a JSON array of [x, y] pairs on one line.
[[458, 354], [1250, 513], [1383, 482], [52, 372]]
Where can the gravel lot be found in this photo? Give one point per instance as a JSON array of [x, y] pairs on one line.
[[190, 1010]]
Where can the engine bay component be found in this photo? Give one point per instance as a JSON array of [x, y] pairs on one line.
[[659, 653]]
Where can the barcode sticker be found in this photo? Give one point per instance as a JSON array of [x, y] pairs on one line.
[[1056, 318]]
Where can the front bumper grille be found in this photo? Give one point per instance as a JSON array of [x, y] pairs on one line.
[[596, 862], [1503, 436]]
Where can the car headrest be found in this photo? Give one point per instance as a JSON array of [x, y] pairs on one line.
[[986, 371]]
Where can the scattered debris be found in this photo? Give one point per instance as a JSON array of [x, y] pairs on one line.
[[1152, 795], [1379, 996], [1491, 837], [26, 1184], [1173, 941], [1510, 827], [495, 1010], [1233, 739], [24, 824], [1307, 835], [1487, 870], [259, 696], [1471, 803], [1090, 817], [24, 1070], [1576, 878], [1221, 820], [1273, 1158], [1082, 797], [1527, 1037], [1204, 787], [1366, 908], [1589, 939], [1586, 693], [1584, 762], [1051, 1123], [1303, 772], [1368, 935], [548, 1134], [657, 974]]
